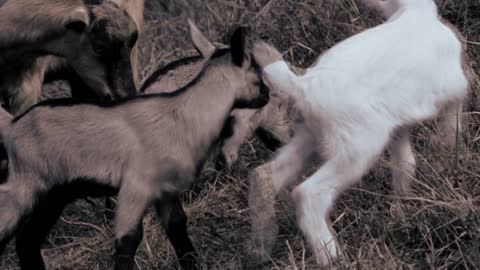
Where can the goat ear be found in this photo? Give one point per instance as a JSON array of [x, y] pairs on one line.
[[200, 42], [237, 45], [134, 9], [78, 20]]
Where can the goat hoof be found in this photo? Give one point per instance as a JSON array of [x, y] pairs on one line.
[[327, 253], [261, 243]]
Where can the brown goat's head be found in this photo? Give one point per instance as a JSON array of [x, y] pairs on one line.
[[112, 35]]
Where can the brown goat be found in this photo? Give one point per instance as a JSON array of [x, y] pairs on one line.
[[32, 31], [227, 80]]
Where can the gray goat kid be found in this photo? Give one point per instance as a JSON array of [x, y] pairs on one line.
[[147, 148], [33, 31], [31, 235], [272, 123]]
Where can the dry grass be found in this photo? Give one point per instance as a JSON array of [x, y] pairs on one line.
[[438, 228]]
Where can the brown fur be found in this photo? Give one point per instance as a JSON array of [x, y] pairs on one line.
[[66, 29], [64, 143]]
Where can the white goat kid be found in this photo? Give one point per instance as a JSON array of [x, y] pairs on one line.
[[359, 95]]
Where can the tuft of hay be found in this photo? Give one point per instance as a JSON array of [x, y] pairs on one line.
[[436, 228]]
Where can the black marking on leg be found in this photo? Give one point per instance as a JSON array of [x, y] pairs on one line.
[[31, 235], [126, 247], [176, 228], [34, 228]]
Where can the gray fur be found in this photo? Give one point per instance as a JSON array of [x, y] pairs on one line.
[[147, 147]]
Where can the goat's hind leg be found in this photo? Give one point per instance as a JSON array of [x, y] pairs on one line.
[[174, 221], [316, 195], [266, 181]]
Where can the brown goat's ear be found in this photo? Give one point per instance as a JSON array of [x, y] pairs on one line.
[[78, 20], [200, 42], [238, 44]]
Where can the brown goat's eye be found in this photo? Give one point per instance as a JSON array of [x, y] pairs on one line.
[[98, 48]]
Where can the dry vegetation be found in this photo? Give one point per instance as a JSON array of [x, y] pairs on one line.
[[437, 228]]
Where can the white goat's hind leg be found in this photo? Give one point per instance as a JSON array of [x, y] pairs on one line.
[[316, 195], [402, 162], [449, 123], [264, 184]]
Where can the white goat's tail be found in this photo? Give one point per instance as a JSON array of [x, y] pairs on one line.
[[276, 73], [386, 7], [279, 77]]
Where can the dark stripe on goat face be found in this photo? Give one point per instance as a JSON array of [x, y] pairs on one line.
[[256, 103], [263, 95], [68, 102]]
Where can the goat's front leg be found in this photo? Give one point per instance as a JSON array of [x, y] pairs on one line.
[[449, 124], [132, 204], [174, 221], [32, 234], [402, 162], [266, 181], [246, 121]]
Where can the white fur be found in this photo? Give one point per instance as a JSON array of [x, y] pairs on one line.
[[362, 93]]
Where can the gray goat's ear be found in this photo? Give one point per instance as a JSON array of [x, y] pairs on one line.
[[238, 44], [135, 9], [200, 42]]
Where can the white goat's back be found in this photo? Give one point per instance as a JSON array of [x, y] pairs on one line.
[[410, 63]]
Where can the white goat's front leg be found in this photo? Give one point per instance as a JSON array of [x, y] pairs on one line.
[[449, 123], [266, 181], [402, 162], [351, 158]]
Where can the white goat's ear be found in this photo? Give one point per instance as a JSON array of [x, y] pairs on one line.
[[200, 42]]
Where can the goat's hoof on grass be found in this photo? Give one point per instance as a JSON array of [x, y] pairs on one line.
[[226, 161], [261, 243], [326, 254]]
